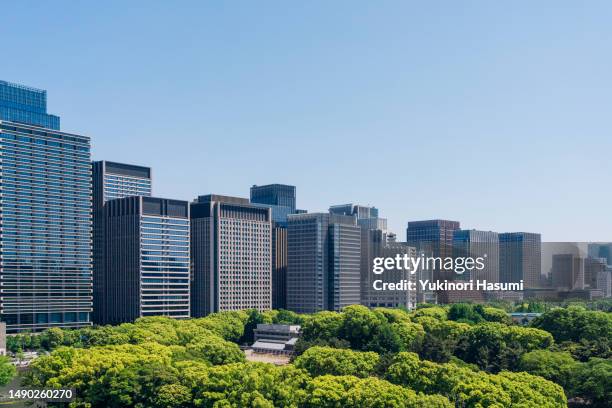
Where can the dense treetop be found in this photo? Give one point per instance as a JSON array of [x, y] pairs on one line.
[[461, 355]]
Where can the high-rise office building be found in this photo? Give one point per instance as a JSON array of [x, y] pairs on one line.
[[478, 244], [281, 199], [147, 264], [110, 181], [279, 267], [475, 244], [601, 250], [433, 238], [593, 267], [604, 282], [367, 217], [231, 242], [323, 262], [274, 194], [377, 242], [278, 197], [520, 258], [567, 272], [45, 185], [25, 105]]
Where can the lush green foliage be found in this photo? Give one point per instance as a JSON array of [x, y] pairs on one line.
[[460, 355], [575, 324], [7, 370], [495, 347], [468, 388], [326, 360]]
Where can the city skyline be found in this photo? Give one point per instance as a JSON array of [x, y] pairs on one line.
[[390, 89]]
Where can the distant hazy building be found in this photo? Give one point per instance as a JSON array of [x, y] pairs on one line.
[[367, 217], [45, 223], [147, 258], [604, 282], [592, 268], [110, 181], [520, 256], [323, 263], [231, 242], [601, 250], [567, 272]]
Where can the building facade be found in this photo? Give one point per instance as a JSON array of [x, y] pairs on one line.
[[520, 258], [567, 272], [279, 267], [111, 181], [376, 243], [432, 238], [281, 195], [46, 255], [231, 243], [323, 262], [281, 199], [147, 258], [26, 105]]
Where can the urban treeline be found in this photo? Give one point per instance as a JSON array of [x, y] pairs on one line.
[[467, 355]]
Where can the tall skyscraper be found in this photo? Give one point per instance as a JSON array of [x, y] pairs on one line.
[[593, 267], [323, 262], [567, 272], [279, 267], [375, 242], [110, 181], [367, 217], [231, 242], [25, 105], [601, 250], [432, 238], [520, 257], [281, 199], [435, 236], [475, 244], [45, 185], [147, 258]]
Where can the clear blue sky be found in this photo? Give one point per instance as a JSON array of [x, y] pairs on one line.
[[496, 114]]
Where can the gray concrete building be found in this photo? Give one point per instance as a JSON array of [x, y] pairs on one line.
[[520, 258], [323, 262], [231, 243]]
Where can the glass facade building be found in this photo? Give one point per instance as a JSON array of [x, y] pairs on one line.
[[274, 194], [45, 202], [147, 258], [323, 262], [111, 181], [26, 105], [520, 258]]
